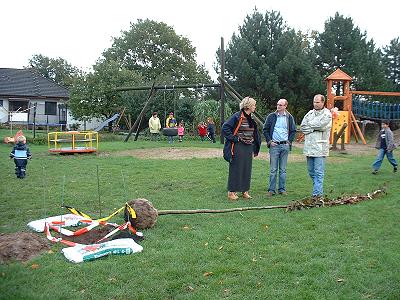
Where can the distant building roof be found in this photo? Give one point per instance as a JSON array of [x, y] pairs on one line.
[[339, 75], [29, 83]]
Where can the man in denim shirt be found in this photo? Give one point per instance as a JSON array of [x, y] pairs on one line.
[[279, 131]]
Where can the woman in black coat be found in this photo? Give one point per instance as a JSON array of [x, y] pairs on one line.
[[242, 141]]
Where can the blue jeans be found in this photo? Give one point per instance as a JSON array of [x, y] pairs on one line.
[[170, 139], [381, 155], [316, 170], [278, 156]]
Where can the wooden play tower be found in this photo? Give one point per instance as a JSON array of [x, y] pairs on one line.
[[339, 95]]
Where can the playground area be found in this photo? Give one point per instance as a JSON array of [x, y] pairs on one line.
[[340, 246], [208, 257]]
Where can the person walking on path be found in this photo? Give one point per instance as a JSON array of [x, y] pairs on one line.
[[316, 126], [242, 141], [385, 144], [279, 131]]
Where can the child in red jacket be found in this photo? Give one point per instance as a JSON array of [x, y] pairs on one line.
[[202, 129]]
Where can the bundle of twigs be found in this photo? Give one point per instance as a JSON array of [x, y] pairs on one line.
[[323, 201]]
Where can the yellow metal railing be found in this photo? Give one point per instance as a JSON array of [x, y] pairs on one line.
[[73, 141]]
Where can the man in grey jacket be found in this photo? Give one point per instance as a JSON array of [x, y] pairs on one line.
[[316, 126]]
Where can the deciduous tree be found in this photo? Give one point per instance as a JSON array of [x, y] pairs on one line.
[[153, 49], [94, 95], [56, 69]]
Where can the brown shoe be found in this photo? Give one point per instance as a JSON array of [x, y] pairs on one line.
[[232, 196], [283, 193], [246, 195], [270, 194]]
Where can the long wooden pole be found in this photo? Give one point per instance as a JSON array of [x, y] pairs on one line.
[[397, 94], [353, 130], [213, 211], [151, 94], [167, 87], [222, 89], [235, 95]]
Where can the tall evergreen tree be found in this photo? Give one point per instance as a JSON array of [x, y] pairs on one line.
[[269, 61], [391, 61], [342, 45]]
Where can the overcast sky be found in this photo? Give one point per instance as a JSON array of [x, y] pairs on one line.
[[79, 30]]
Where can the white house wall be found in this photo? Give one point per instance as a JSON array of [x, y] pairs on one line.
[[88, 125], [41, 118], [4, 111]]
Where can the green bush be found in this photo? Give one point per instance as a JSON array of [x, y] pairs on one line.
[[38, 140]]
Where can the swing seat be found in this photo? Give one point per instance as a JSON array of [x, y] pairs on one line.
[[170, 131]]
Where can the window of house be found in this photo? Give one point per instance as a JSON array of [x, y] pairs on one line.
[[17, 105], [1, 103], [50, 108]]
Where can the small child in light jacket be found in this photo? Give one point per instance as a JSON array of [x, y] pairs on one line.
[[21, 154]]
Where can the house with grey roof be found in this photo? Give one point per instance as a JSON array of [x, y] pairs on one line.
[[26, 97]]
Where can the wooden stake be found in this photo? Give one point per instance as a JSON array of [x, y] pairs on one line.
[[353, 131], [357, 127], [338, 135], [98, 189]]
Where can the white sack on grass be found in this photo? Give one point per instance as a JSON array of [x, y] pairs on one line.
[[82, 253], [69, 219]]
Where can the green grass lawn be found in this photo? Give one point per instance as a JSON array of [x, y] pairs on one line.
[[342, 252]]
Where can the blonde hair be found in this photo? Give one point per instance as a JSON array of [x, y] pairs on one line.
[[21, 138], [247, 102]]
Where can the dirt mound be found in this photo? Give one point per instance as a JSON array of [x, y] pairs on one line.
[[21, 246], [92, 236]]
